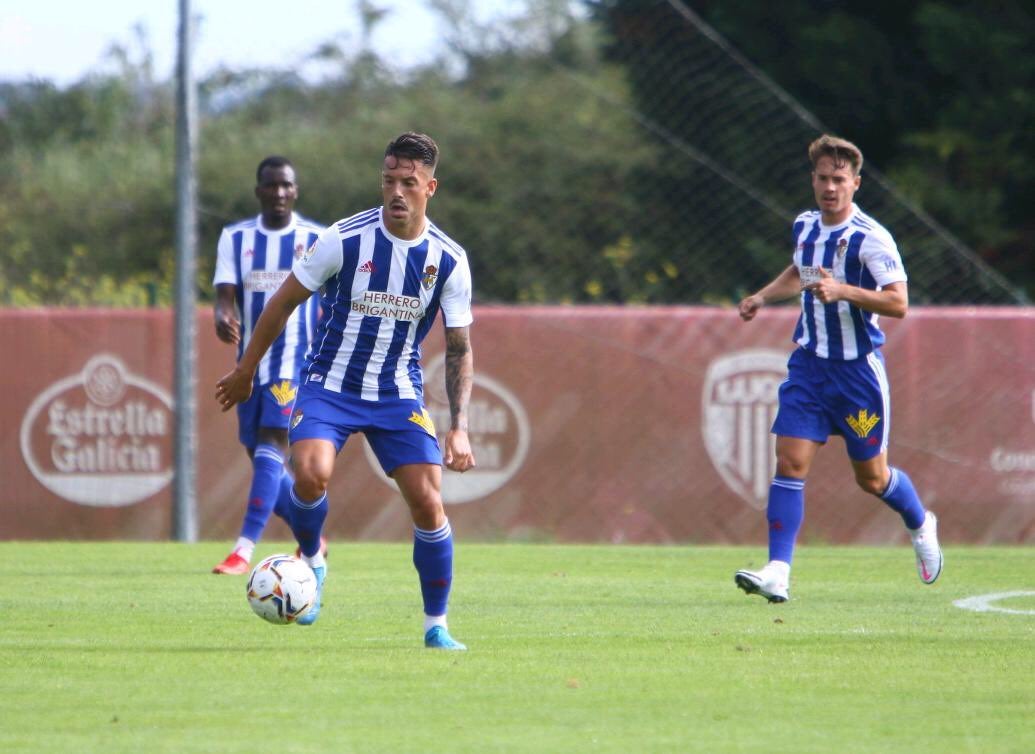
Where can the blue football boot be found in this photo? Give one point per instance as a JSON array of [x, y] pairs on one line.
[[438, 637], [314, 612]]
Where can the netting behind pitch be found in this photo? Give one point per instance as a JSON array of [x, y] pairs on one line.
[[730, 170]]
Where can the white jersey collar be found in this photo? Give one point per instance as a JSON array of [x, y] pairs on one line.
[[279, 231]]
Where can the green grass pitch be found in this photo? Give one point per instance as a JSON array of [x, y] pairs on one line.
[[136, 648]]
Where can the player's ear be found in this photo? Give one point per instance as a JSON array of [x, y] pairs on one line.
[[432, 185]]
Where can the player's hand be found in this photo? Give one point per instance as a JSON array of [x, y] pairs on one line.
[[232, 388], [749, 307], [826, 289], [458, 454], [228, 327]]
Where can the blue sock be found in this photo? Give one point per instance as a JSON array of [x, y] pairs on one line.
[[268, 466], [282, 507], [785, 512], [901, 497], [307, 522], [433, 559]]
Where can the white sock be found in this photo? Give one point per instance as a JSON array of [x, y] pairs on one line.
[[245, 548], [316, 560], [434, 620]]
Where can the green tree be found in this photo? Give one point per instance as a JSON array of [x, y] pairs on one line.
[[580, 163], [938, 94]]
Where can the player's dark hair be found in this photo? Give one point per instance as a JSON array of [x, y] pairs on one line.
[[273, 161], [414, 146], [841, 151]]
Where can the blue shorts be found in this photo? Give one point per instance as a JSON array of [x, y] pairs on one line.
[[399, 431], [823, 397], [269, 407]]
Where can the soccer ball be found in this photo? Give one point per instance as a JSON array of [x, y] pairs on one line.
[[281, 589]]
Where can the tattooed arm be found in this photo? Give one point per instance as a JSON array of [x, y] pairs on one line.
[[459, 379]]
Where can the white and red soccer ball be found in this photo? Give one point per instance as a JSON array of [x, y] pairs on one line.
[[281, 589]]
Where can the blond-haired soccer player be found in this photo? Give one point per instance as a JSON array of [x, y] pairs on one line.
[[847, 271]]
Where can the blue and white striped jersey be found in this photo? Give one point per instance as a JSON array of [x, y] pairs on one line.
[[257, 260], [381, 296], [860, 252]]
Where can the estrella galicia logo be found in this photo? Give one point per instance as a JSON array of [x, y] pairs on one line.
[[100, 437]]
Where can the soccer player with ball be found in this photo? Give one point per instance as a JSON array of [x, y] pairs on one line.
[[846, 270], [384, 275]]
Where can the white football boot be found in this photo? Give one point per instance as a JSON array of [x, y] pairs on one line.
[[928, 552], [770, 582]]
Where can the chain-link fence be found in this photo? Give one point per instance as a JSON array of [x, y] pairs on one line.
[[593, 152], [732, 167]]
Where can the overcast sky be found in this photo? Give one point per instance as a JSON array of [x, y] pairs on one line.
[[61, 40]]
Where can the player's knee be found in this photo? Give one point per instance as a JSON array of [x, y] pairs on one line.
[[311, 479], [427, 511], [791, 466], [309, 489], [429, 517], [870, 483]]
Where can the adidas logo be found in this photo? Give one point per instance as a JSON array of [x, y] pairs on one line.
[[367, 266]]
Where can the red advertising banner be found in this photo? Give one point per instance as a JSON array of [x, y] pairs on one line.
[[590, 424]]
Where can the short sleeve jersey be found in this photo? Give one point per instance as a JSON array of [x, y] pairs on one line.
[[256, 261], [381, 295], [859, 252]]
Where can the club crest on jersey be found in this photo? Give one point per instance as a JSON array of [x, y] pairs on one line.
[[423, 420], [430, 276], [296, 418], [863, 423], [842, 247], [283, 392], [299, 250]]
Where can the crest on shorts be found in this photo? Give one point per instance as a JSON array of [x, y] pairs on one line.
[[283, 392], [296, 418], [863, 423], [738, 405], [423, 420], [499, 430], [430, 276]]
